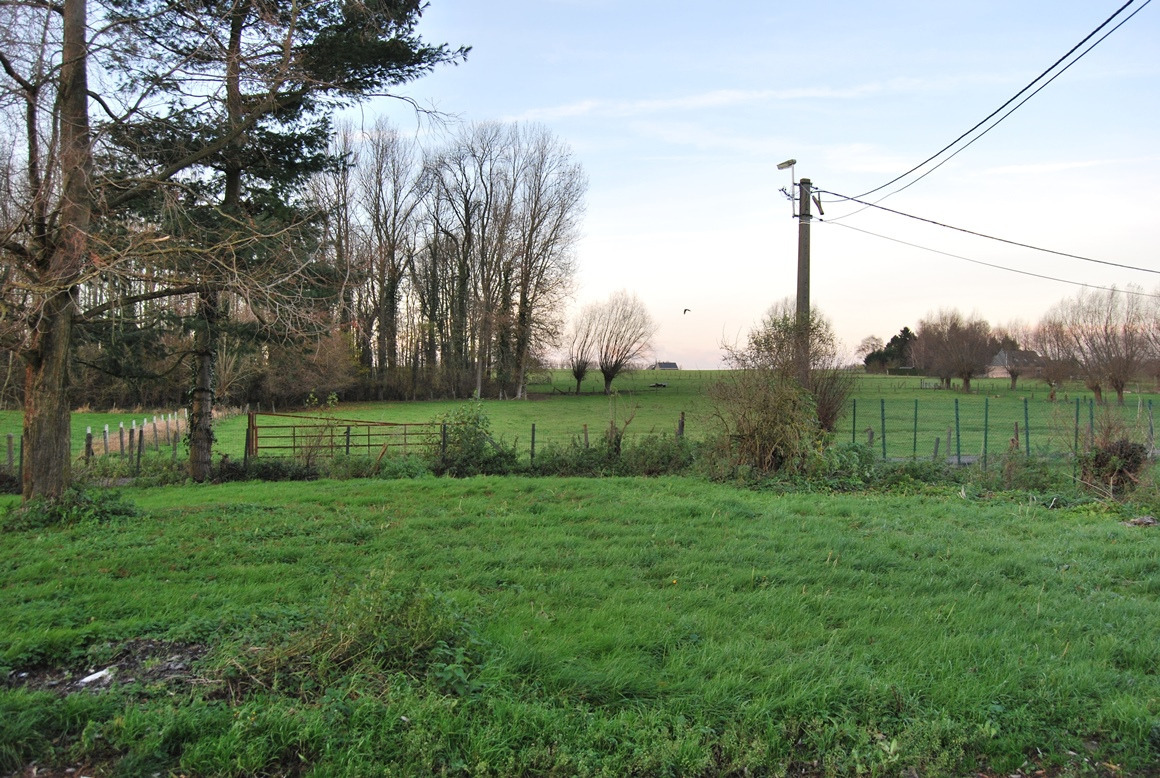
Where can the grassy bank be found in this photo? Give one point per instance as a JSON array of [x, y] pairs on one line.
[[596, 627]]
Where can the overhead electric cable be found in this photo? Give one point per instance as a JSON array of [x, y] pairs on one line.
[[983, 235], [1013, 98], [971, 142], [991, 264]]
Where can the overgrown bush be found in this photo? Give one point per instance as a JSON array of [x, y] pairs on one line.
[[9, 483], [575, 459], [260, 469], [768, 423], [344, 467], [470, 448], [74, 506], [654, 455], [1114, 467], [113, 470]]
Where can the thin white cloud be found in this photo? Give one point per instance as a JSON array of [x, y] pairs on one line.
[[1058, 167], [720, 98]]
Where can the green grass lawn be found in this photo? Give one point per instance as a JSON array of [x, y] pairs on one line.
[[597, 627]]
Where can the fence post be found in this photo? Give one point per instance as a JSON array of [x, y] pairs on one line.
[[1075, 455], [914, 451], [246, 451], [1151, 430], [156, 437], [348, 440], [681, 422], [168, 433], [533, 457], [934, 456], [854, 425], [883, 402], [958, 437], [88, 444], [11, 451], [443, 441], [132, 440], [106, 439], [1091, 419], [986, 419], [585, 436], [121, 436], [140, 449], [1027, 427]]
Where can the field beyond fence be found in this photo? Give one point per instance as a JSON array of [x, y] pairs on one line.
[[897, 417]]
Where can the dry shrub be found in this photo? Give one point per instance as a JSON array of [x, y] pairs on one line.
[[769, 423]]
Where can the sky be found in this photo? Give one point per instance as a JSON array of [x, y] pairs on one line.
[[681, 111]]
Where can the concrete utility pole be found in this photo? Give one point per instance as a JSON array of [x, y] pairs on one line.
[[803, 283]]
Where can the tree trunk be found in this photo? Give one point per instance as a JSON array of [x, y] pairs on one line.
[[201, 435], [46, 432], [46, 436]]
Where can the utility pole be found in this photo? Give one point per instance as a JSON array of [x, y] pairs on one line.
[[803, 283]]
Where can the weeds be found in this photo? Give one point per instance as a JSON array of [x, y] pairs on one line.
[[377, 629], [75, 506]]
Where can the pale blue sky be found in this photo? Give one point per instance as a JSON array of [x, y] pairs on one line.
[[680, 111]]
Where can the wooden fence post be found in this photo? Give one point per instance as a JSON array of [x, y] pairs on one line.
[[88, 445], [105, 436], [681, 426]]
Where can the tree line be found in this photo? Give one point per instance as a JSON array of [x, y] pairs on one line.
[[176, 209], [1107, 339]]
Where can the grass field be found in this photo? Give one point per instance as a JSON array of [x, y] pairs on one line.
[[589, 627], [884, 405]]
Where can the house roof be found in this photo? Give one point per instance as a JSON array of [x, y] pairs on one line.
[[1016, 358]]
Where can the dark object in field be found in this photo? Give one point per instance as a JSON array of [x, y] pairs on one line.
[[657, 386]]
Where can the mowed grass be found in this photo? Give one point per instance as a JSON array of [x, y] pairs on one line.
[[629, 626]]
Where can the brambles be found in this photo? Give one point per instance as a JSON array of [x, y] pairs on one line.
[[1114, 466]]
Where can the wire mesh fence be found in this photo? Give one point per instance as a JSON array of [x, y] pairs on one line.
[[978, 431]]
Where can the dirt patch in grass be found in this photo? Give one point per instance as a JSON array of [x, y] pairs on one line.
[[141, 660]]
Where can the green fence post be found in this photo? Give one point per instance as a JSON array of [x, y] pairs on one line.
[[1151, 430], [1027, 427], [1091, 418], [914, 450], [1075, 454], [854, 424], [883, 401], [958, 437], [532, 460], [986, 419]]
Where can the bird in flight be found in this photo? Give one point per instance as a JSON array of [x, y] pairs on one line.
[[686, 311]]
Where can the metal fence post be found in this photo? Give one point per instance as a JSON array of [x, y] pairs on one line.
[[914, 452], [1075, 455], [854, 424], [986, 419], [1027, 427], [883, 401], [533, 453], [958, 437]]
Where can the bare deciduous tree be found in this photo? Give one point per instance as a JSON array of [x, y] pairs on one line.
[[622, 334], [1106, 334], [950, 346]]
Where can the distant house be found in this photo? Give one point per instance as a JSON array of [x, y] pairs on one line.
[[664, 366], [1014, 361]]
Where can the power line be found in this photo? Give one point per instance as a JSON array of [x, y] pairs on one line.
[[984, 235], [1015, 97], [992, 265]]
